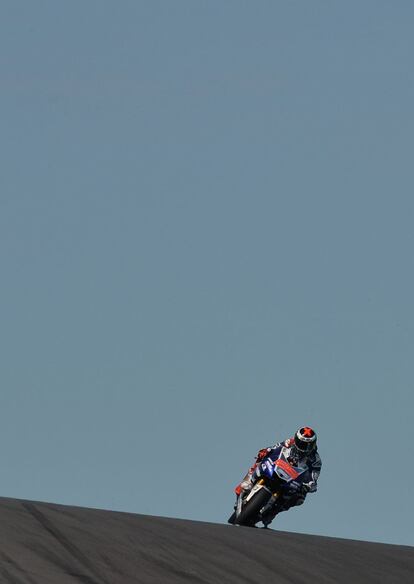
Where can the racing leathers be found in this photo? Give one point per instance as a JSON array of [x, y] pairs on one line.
[[295, 457]]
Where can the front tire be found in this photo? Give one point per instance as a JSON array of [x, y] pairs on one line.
[[250, 514]]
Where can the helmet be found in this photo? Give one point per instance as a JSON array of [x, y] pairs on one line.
[[305, 440]]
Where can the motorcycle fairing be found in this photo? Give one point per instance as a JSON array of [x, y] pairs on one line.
[[279, 465]]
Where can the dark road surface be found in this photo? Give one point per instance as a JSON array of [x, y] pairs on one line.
[[53, 544]]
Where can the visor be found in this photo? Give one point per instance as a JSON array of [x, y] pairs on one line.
[[305, 447]]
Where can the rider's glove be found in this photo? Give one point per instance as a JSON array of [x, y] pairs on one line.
[[308, 487], [261, 454]]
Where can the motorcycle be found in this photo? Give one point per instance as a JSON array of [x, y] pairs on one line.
[[274, 478]]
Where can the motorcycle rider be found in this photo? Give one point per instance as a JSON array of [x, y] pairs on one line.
[[299, 450]]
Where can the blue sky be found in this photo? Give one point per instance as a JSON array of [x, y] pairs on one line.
[[206, 241]]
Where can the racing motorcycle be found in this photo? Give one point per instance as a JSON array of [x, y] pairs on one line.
[[274, 479]]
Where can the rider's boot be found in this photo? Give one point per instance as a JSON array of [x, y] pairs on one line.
[[269, 511]]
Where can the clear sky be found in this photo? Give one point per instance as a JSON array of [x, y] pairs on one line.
[[206, 241]]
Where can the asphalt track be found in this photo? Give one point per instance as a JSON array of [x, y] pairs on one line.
[[44, 543]]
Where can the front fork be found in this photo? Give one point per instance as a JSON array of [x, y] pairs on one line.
[[242, 500], [256, 487]]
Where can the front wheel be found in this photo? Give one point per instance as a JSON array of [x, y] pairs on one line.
[[250, 514]]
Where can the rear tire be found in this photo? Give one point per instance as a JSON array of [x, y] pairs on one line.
[[250, 513]]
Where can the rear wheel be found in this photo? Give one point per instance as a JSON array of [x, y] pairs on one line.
[[250, 513]]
